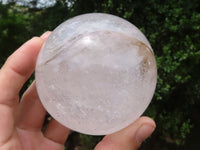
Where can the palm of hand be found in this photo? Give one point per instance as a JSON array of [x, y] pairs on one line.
[[30, 140]]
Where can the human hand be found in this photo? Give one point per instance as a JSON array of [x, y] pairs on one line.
[[21, 123]]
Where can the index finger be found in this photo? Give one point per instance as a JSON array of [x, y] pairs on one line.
[[17, 69]]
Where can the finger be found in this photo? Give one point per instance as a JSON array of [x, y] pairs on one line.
[[56, 132], [17, 69], [129, 138], [45, 35], [31, 111]]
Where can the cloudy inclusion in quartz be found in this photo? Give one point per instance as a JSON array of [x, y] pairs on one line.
[[96, 74]]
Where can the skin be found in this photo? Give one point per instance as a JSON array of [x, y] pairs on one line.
[[21, 123]]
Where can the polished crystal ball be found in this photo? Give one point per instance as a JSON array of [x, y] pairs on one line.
[[96, 73]]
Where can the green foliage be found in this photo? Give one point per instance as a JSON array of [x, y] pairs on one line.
[[13, 28], [88, 142], [172, 28]]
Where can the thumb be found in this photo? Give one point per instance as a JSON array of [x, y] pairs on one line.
[[129, 138]]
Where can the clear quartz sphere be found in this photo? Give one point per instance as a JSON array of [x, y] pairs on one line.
[[96, 73]]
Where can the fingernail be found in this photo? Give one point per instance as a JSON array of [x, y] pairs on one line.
[[45, 34], [144, 132]]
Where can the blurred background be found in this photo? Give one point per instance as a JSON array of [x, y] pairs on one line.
[[173, 29]]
